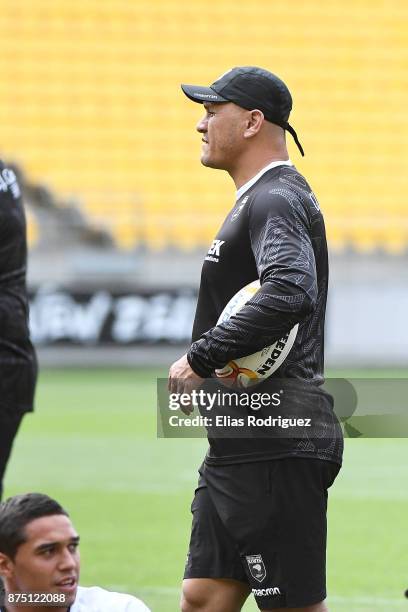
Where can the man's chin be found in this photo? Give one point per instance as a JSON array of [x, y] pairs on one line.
[[209, 163], [69, 601], [70, 594]]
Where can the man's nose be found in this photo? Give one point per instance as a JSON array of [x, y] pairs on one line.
[[202, 125], [67, 560]]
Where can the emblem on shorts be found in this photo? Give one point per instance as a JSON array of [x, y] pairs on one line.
[[256, 567]]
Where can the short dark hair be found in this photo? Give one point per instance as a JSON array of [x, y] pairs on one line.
[[16, 512]]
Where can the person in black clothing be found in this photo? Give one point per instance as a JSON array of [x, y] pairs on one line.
[[18, 365], [259, 512]]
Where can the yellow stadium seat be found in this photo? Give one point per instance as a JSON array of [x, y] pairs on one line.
[[91, 106]]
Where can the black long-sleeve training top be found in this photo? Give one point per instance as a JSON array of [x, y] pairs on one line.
[[274, 232]]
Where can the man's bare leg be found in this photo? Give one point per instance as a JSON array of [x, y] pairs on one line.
[[210, 594]]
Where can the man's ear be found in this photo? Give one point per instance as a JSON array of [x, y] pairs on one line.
[[6, 566], [255, 120]]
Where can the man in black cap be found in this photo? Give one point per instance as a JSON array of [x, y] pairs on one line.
[[259, 512]]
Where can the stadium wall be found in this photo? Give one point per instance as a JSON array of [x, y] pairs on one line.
[[144, 316]]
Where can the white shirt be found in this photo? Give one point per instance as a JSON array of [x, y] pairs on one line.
[[95, 599], [253, 180]]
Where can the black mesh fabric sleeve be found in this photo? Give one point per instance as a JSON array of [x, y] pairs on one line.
[[279, 233]]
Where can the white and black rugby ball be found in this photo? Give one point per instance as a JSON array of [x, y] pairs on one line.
[[252, 369]]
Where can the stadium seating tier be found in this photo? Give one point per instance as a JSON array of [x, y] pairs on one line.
[[90, 105]]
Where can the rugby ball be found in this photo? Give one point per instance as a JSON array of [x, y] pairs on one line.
[[252, 369]]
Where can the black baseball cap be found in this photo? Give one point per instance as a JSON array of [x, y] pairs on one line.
[[250, 87]]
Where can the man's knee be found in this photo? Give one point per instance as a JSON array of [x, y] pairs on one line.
[[207, 595], [193, 596]]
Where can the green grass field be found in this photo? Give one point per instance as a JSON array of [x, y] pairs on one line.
[[92, 444]]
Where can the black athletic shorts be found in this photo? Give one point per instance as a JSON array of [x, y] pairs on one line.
[[264, 523]]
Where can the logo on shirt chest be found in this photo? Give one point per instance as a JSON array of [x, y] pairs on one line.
[[214, 251], [239, 208]]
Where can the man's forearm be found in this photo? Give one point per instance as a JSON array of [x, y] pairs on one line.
[[259, 323]]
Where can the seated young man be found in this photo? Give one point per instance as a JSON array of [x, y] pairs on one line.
[[39, 557]]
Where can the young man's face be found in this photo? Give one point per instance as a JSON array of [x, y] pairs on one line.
[[222, 128], [48, 560]]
